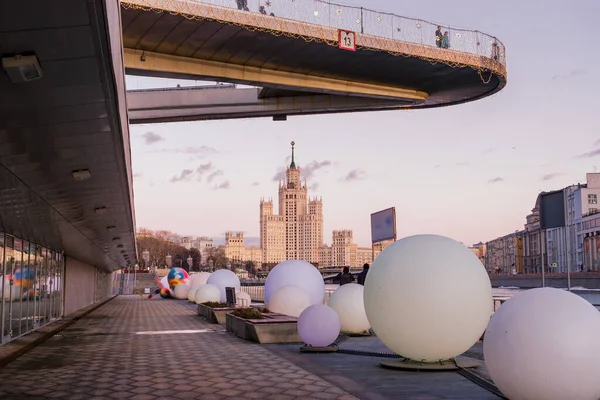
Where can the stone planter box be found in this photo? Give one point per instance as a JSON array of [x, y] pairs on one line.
[[274, 328], [213, 315]]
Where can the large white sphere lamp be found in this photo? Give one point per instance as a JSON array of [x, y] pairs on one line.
[[297, 273], [347, 301], [545, 344]]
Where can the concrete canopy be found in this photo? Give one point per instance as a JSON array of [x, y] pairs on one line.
[[73, 118]]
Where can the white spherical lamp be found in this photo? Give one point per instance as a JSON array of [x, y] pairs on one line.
[[222, 279], [428, 298], [192, 292], [289, 300], [242, 299], [297, 273], [347, 301], [208, 293], [318, 326], [181, 291], [543, 344], [200, 277]]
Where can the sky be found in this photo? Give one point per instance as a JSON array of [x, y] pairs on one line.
[[470, 172]]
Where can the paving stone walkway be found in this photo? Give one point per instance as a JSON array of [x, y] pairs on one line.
[[139, 349]]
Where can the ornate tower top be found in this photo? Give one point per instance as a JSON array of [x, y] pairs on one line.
[[293, 164]]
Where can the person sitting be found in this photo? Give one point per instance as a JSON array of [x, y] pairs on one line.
[[345, 276]]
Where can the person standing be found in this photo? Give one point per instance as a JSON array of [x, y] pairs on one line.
[[438, 37], [363, 275]]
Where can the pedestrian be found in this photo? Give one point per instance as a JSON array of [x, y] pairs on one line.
[[345, 276], [438, 37], [363, 275]]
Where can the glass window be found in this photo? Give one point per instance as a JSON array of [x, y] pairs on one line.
[[592, 199]]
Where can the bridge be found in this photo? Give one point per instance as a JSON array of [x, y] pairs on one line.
[[294, 59]]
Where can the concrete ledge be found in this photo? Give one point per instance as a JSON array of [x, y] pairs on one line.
[[13, 350]]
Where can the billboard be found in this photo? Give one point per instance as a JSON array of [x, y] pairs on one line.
[[383, 225]]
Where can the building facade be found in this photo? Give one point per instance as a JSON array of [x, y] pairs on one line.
[[479, 250], [343, 252], [504, 255], [295, 232], [581, 201], [237, 253]]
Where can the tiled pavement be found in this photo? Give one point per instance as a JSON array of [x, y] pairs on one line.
[[120, 351]]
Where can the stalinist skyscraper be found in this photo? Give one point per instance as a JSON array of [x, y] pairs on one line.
[[296, 231]]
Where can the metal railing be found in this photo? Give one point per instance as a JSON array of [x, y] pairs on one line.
[[373, 23]]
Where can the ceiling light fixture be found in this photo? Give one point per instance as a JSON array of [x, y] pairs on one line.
[[21, 69], [81, 175]]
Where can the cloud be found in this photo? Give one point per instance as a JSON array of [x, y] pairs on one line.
[[462, 164], [488, 151], [197, 151], [548, 177], [222, 186], [354, 175], [496, 180], [255, 184], [597, 143], [213, 175], [308, 171], [589, 154], [199, 173], [185, 175], [151, 138], [438, 166], [571, 74], [314, 186]]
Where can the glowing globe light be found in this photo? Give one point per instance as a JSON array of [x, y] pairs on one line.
[[318, 326], [181, 291], [347, 301], [192, 292], [200, 277], [543, 344], [289, 300], [428, 298], [297, 273], [206, 293], [242, 299], [222, 279]]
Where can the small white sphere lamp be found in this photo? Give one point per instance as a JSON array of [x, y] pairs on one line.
[[347, 301], [207, 293], [289, 300], [428, 298], [543, 344], [192, 292], [181, 291], [297, 273], [222, 279], [318, 326]]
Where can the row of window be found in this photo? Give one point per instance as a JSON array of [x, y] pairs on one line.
[[31, 290]]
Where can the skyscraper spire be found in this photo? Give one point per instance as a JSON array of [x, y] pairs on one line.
[[293, 164]]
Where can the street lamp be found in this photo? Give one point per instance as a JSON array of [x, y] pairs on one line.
[[190, 262], [146, 258]]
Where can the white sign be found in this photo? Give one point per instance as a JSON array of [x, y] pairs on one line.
[[347, 40]]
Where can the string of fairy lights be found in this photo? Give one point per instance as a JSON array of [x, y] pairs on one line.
[[319, 21]]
